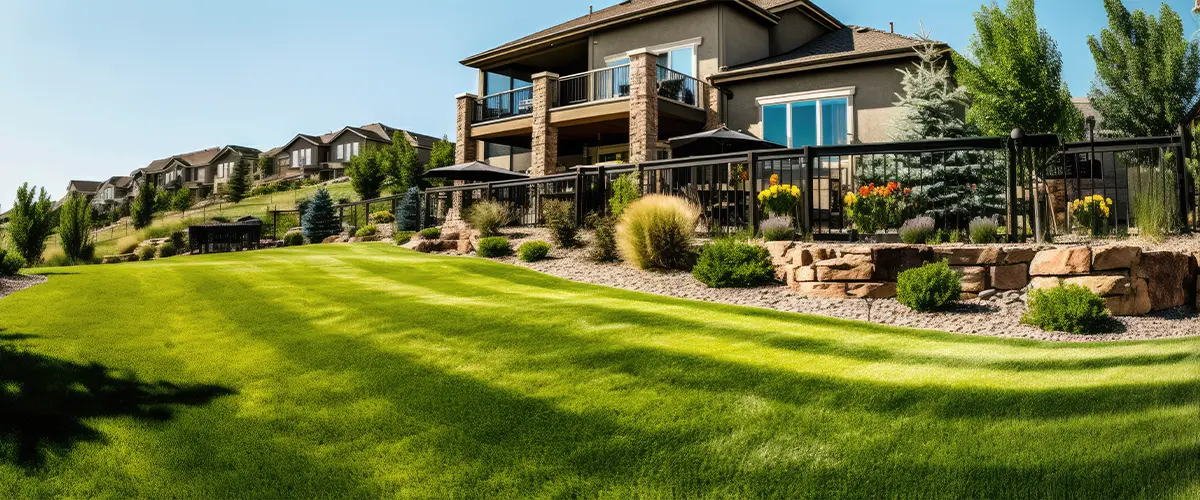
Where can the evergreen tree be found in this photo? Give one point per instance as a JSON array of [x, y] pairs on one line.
[[1014, 75], [75, 226], [239, 181], [30, 222], [408, 214], [367, 172], [319, 221], [1147, 73], [142, 209]]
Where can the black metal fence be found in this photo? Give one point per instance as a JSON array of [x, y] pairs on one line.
[[1033, 186], [231, 237]]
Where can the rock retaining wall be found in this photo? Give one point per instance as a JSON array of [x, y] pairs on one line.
[[1133, 282]]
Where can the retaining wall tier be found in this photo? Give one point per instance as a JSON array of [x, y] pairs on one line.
[[1133, 282]]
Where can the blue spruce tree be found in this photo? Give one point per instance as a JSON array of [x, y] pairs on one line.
[[408, 214], [319, 221]]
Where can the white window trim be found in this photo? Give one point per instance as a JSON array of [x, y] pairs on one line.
[[694, 43], [812, 95]]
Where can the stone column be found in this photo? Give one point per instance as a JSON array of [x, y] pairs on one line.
[[643, 105], [545, 135], [712, 107], [464, 146]]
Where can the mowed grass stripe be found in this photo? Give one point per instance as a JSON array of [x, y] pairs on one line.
[[367, 370]]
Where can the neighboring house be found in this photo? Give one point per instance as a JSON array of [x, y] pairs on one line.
[[112, 193], [324, 157], [87, 189], [201, 171], [617, 83]]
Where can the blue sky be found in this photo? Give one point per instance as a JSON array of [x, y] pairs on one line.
[[94, 89]]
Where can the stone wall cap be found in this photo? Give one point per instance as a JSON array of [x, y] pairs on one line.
[[544, 74], [638, 52], [466, 95]]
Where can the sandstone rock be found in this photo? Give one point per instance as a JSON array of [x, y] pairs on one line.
[[426, 246], [1010, 277], [969, 256], [806, 274], [849, 267], [331, 239], [1137, 303], [1102, 285], [800, 256], [974, 278], [464, 246], [822, 290], [968, 296], [1168, 276], [1019, 255], [871, 290], [854, 250], [1115, 257], [449, 235], [1062, 262], [778, 249], [891, 260]]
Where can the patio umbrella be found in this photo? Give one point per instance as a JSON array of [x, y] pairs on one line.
[[474, 172], [711, 142]]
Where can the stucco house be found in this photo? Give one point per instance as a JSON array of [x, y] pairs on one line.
[[112, 193], [616, 83], [201, 171], [324, 157]]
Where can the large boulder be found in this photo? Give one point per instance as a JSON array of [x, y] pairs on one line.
[[1115, 257], [871, 290], [969, 255], [973, 278], [1019, 255], [848, 267], [1168, 275], [1102, 285], [891, 261], [1010, 277], [1136, 303], [1062, 262], [778, 249]]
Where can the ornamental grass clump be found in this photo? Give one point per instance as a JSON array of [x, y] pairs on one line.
[[929, 287], [917, 230], [383, 217], [403, 237], [983, 230], [1066, 308], [494, 246], [533, 251], [488, 217], [778, 229], [656, 232], [733, 263], [366, 231]]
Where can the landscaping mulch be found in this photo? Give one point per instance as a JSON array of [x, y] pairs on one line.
[[995, 315], [14, 284]]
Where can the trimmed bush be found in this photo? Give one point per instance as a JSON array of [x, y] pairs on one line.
[[403, 237], [533, 251], [928, 287], [293, 239], [1066, 308], [983, 230], [730, 263], [167, 249], [778, 228], [559, 216], [656, 232], [488, 217], [917, 230], [366, 231], [10, 262], [604, 239], [494, 246], [383, 217], [431, 233], [146, 253]]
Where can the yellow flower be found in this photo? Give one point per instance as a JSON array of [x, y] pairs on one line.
[[796, 192], [1108, 200]]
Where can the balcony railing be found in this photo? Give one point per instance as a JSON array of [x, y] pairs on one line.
[[505, 104], [680, 88], [594, 85]]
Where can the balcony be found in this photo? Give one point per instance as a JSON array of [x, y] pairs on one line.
[[592, 86], [504, 105]]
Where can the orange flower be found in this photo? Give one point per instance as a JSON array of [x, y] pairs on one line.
[[892, 186], [907, 190], [864, 191], [774, 179]]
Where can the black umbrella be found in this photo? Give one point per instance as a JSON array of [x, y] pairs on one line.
[[474, 172], [717, 141]]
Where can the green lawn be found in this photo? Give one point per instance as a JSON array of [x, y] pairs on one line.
[[368, 370]]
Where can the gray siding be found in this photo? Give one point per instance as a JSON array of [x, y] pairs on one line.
[[742, 38], [794, 29]]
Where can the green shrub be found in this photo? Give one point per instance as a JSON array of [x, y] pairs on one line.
[[128, 248], [75, 226], [488, 216], [31, 221], [10, 262], [431, 233], [928, 287], [778, 228], [167, 249], [221, 219], [626, 189], [383, 217], [366, 231], [146, 253], [983, 230], [1066, 308], [917, 230], [604, 239], [656, 232], [533, 251], [403, 237], [293, 239], [731, 263], [494, 246], [559, 216]]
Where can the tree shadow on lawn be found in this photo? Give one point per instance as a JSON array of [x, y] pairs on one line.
[[44, 402]]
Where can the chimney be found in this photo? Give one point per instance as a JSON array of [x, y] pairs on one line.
[[892, 24], [590, 8]]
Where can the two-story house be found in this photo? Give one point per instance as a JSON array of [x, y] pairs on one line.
[[324, 157], [201, 171], [87, 189], [616, 83], [112, 193]]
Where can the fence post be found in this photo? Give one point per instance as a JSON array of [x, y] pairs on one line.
[[1181, 172], [752, 178], [1014, 153], [578, 196], [808, 192], [602, 185]]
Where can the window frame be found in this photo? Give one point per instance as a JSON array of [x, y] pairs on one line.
[[816, 97], [666, 48]]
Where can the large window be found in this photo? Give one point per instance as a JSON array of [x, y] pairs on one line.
[[819, 118], [678, 56], [494, 83]]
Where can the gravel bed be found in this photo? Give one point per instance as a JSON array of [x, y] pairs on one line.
[[14, 284], [995, 315]]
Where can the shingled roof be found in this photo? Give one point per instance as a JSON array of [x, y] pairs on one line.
[[201, 157], [630, 10], [845, 46], [85, 187]]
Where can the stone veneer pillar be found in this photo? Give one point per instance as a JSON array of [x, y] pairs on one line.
[[545, 136], [464, 146], [643, 105], [712, 107]]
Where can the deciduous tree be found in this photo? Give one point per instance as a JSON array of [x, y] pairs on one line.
[[75, 227], [30, 222]]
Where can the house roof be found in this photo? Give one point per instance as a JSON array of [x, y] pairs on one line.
[[201, 157], [849, 45], [632, 10], [376, 132], [86, 187]]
